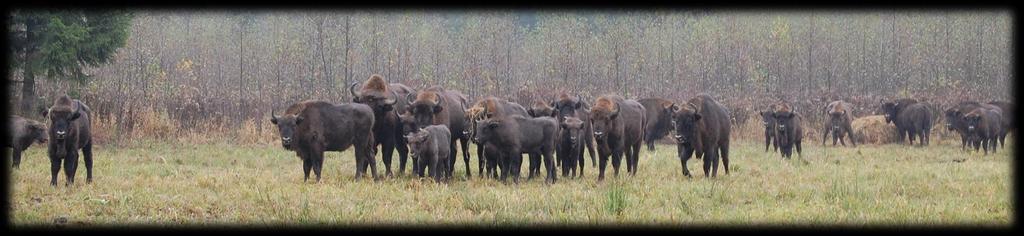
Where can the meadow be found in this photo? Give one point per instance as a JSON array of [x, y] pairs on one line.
[[172, 184]]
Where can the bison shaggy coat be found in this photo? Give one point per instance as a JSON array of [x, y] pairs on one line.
[[659, 120], [912, 119], [515, 135], [702, 129], [437, 106], [618, 129], [312, 127], [790, 131], [70, 130], [984, 126], [430, 146], [488, 155]]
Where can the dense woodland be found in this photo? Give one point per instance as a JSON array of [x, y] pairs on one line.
[[233, 67]]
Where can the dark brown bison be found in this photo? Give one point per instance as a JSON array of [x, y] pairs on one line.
[[483, 109], [569, 106], [984, 127], [790, 130], [70, 129], [312, 127], [23, 133], [1008, 124], [912, 119], [386, 100], [618, 129], [515, 135], [702, 129], [437, 106], [659, 119], [840, 116], [954, 118], [430, 146], [570, 146], [770, 127]]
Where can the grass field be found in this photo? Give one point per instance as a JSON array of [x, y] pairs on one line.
[[155, 183]]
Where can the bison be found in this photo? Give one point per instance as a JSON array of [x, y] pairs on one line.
[[840, 116], [567, 106], [984, 126], [515, 135], [1008, 124], [437, 106], [540, 108], [911, 118], [70, 129], [702, 129], [386, 100], [430, 146], [768, 119], [23, 133], [312, 127], [659, 120], [954, 117], [790, 130], [570, 145], [483, 109], [618, 128]]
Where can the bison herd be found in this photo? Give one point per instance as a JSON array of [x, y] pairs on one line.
[[430, 124]]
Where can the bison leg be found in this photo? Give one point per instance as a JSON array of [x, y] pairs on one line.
[[481, 161], [849, 133], [387, 148], [17, 156], [713, 158], [403, 155], [71, 166], [635, 159], [616, 161], [453, 154], [724, 153], [464, 144], [318, 163], [580, 159], [590, 149], [707, 164], [55, 164], [604, 163], [768, 141], [87, 155], [549, 165], [307, 165], [684, 155]]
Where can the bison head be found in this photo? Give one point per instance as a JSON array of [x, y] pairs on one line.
[[38, 131], [952, 116], [973, 119], [603, 116], [417, 141], [490, 129], [425, 106], [768, 119], [836, 118], [375, 94], [684, 122], [541, 108], [889, 109], [572, 127], [286, 125], [785, 122], [566, 106], [408, 123], [61, 115]]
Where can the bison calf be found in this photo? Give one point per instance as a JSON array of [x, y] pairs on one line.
[[768, 119], [23, 132], [69, 127], [430, 147], [312, 127], [570, 146], [515, 135]]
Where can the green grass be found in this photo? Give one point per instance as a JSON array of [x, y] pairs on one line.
[[170, 184]]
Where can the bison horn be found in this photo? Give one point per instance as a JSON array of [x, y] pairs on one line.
[[393, 99], [352, 89], [409, 98]]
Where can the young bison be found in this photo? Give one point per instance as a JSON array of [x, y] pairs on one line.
[[790, 131], [840, 118], [69, 127], [659, 120], [702, 129], [618, 128], [568, 106], [570, 146], [430, 146], [768, 119], [23, 132], [312, 127], [515, 135]]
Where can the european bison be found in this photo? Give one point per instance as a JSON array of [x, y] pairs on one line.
[[437, 106], [386, 100], [911, 118], [570, 146], [702, 129], [540, 108], [515, 135], [70, 128], [618, 128], [954, 117], [840, 116], [568, 106], [23, 132], [659, 120], [768, 119], [790, 130], [984, 127], [1008, 124], [483, 109], [430, 146], [312, 127]]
